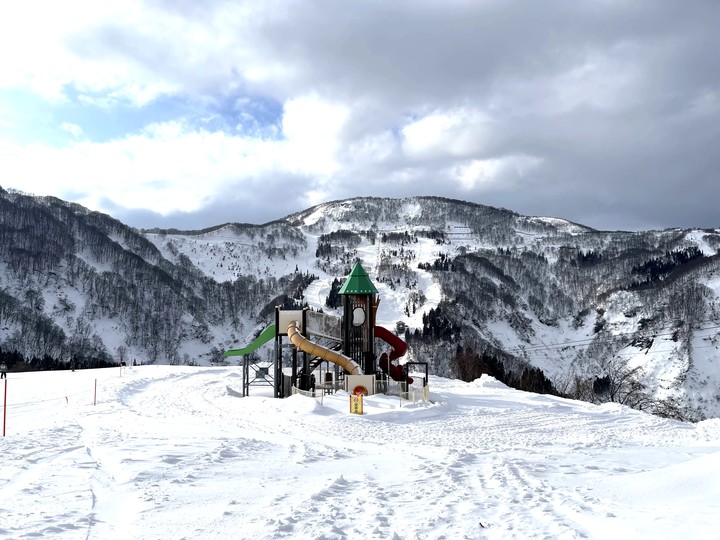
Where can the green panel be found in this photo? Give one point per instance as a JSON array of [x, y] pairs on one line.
[[265, 336]]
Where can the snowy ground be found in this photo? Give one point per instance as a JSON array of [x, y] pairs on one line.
[[174, 452]]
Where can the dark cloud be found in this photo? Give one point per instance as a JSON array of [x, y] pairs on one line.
[[618, 100], [603, 112]]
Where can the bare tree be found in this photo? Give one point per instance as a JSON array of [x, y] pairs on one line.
[[621, 384]]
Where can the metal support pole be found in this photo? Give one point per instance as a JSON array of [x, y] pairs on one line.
[[5, 408], [278, 356]]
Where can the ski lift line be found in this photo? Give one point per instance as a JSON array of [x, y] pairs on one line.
[[658, 351], [647, 351], [540, 348], [228, 239], [640, 352], [586, 341]]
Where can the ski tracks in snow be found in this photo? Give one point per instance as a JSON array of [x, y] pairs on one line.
[[50, 469], [166, 452]]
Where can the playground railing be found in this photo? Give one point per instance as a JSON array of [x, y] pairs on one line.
[[318, 393], [413, 394], [410, 393]]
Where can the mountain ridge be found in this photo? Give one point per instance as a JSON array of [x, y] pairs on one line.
[[460, 280]]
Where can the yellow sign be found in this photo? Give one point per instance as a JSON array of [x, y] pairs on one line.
[[356, 404]]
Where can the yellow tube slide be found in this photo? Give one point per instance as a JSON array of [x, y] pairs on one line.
[[304, 344]]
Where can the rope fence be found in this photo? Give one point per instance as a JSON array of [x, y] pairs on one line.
[[38, 404]]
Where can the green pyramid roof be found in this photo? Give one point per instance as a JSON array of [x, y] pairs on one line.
[[358, 282]]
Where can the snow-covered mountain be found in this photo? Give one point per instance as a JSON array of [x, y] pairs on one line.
[[621, 316]]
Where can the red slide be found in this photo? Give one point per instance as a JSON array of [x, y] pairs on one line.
[[399, 348]]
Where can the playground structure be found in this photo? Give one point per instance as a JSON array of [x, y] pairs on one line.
[[347, 343]]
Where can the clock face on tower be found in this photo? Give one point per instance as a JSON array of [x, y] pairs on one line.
[[358, 316]]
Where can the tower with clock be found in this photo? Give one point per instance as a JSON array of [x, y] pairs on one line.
[[359, 302]]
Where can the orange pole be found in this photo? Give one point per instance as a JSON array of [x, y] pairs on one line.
[[95, 394]]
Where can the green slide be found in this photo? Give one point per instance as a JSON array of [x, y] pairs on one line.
[[265, 336]]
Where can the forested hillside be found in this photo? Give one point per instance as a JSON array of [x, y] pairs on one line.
[[544, 303], [75, 283]]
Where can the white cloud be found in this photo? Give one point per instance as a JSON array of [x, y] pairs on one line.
[[37, 34], [72, 129], [478, 171], [495, 172], [374, 148], [457, 132], [172, 166], [312, 128], [165, 169], [129, 50]]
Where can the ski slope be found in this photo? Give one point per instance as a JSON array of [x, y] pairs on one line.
[[174, 452]]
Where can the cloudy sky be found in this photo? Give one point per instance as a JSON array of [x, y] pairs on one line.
[[192, 113]]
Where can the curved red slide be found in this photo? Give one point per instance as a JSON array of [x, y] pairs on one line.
[[399, 348]]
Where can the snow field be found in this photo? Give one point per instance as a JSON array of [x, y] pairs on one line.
[[173, 452]]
